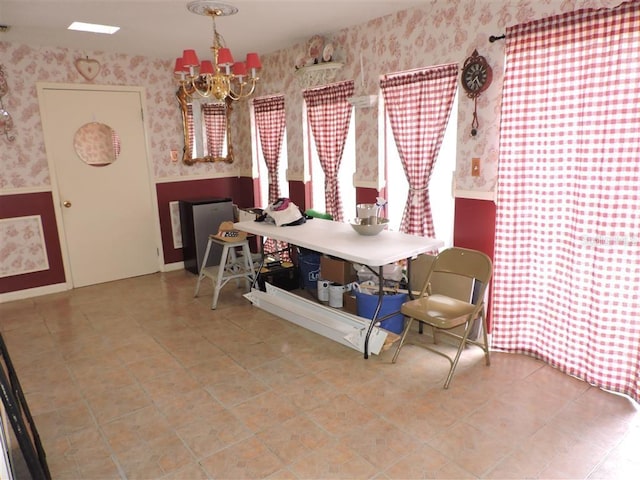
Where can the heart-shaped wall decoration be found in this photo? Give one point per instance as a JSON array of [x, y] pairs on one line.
[[88, 67]]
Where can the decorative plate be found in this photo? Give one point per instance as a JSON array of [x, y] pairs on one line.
[[315, 46], [327, 52]]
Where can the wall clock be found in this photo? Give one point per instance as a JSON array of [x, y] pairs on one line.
[[476, 78]]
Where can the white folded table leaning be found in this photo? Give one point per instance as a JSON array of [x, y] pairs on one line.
[[339, 240]]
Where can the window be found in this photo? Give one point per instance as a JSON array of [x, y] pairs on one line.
[[345, 174], [260, 170], [440, 185], [418, 105], [329, 118], [269, 136]]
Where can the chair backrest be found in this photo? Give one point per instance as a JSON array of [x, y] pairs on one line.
[[420, 268], [462, 263], [451, 285]]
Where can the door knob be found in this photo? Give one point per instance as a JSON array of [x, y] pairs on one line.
[[66, 203]]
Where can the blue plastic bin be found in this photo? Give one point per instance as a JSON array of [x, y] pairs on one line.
[[366, 306], [309, 266]]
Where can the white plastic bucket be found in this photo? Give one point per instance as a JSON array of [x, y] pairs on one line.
[[335, 295], [323, 290]]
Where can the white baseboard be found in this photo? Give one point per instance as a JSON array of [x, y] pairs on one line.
[[33, 292], [170, 267], [61, 287]]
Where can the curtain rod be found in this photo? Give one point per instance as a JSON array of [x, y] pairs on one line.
[[493, 38]]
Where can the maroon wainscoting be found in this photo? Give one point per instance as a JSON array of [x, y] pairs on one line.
[[41, 204], [300, 194], [366, 195], [474, 227], [240, 190]]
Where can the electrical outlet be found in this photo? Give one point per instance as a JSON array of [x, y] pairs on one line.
[[475, 167], [174, 155]]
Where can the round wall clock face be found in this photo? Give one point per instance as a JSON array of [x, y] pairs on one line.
[[476, 75]]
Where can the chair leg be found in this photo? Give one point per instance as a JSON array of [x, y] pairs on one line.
[[404, 335], [486, 341], [463, 344]]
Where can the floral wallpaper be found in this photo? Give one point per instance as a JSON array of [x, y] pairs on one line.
[[434, 33], [22, 248], [24, 161], [176, 232]]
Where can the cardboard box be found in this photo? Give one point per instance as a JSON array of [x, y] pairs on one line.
[[248, 214], [349, 303], [336, 270]]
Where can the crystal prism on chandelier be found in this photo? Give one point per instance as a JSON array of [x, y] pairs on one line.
[[221, 78]]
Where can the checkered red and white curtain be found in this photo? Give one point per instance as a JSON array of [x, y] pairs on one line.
[[270, 118], [270, 121], [567, 257], [191, 129], [329, 114], [418, 103], [214, 116]]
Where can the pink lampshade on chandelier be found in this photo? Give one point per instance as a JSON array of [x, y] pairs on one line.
[[221, 78]]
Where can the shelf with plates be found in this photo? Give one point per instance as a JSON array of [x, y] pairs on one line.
[[317, 74]]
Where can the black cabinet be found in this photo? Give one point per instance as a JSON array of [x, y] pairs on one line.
[[198, 219]]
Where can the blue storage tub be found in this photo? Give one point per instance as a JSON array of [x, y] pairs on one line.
[[366, 306]]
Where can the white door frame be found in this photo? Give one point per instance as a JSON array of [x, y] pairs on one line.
[[55, 189]]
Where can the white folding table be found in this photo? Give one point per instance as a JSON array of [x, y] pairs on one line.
[[340, 240]]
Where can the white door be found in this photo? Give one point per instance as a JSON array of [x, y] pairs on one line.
[[106, 207]]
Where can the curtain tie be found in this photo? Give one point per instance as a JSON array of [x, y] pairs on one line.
[[415, 194]]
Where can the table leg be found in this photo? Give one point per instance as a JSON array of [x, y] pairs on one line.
[[377, 311]]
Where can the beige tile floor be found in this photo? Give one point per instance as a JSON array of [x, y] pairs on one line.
[[136, 379]]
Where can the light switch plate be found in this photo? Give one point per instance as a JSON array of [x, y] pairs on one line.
[[475, 167]]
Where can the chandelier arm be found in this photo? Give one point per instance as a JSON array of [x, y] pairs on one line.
[[206, 93], [237, 95]]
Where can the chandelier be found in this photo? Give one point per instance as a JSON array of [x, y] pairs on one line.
[[223, 78]]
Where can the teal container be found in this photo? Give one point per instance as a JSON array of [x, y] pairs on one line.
[[366, 307]]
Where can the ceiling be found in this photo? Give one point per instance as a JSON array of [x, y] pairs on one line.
[[163, 28]]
